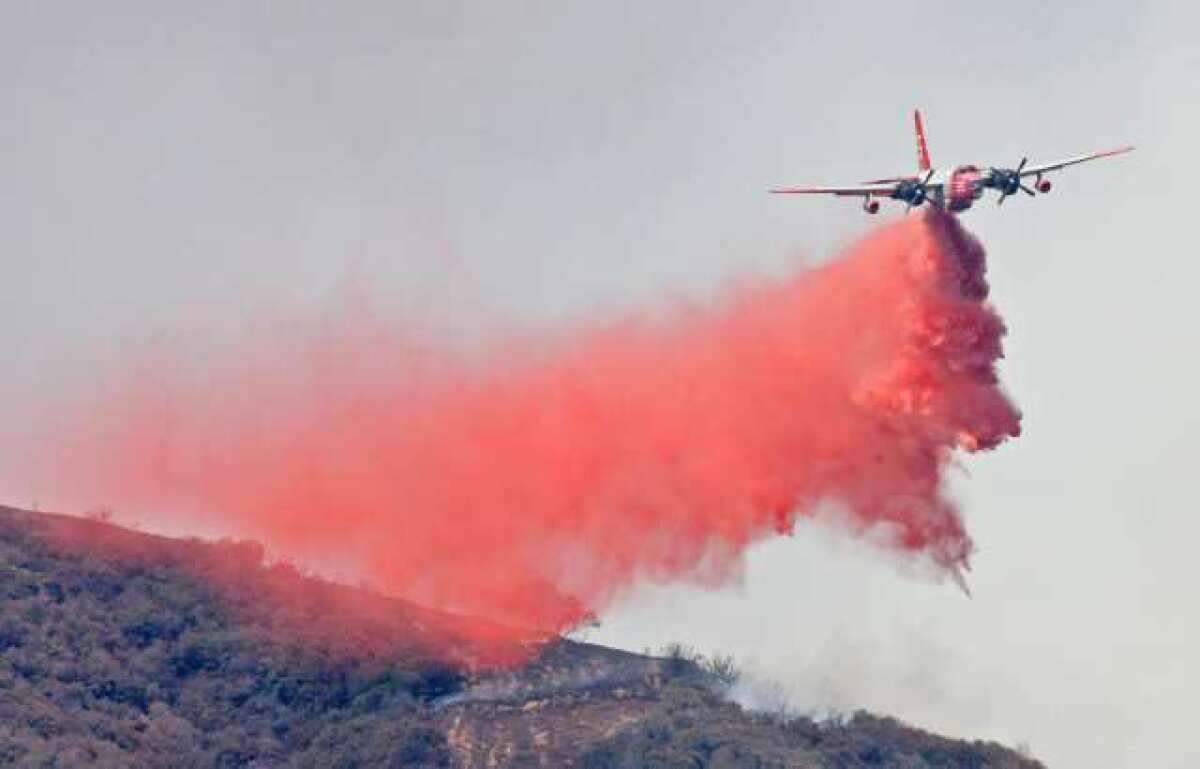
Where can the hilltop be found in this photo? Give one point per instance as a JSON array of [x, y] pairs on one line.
[[124, 649]]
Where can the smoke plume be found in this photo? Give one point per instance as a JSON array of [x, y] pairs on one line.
[[534, 486]]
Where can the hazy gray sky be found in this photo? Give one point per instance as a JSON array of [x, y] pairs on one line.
[[168, 165]]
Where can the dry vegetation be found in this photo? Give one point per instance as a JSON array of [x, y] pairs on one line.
[[118, 649]]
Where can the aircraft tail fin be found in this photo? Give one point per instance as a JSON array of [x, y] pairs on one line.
[[923, 162]]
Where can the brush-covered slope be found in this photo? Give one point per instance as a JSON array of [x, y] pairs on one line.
[[121, 649]]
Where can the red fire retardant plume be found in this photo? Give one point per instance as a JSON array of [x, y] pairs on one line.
[[534, 487]]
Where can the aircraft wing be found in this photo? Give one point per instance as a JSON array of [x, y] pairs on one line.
[[1041, 169], [875, 190]]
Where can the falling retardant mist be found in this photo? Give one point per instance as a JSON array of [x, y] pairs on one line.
[[533, 486]]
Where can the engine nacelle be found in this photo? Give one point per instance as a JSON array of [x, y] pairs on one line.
[[871, 206], [1044, 185]]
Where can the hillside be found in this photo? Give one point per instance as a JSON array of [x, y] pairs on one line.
[[122, 649]]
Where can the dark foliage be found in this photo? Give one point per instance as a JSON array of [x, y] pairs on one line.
[[126, 658], [120, 649], [692, 726]]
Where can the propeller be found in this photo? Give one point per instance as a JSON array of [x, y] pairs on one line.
[[1008, 181], [916, 193]]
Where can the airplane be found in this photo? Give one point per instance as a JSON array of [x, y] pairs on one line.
[[951, 189]]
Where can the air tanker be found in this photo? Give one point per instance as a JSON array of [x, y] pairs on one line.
[[954, 188]]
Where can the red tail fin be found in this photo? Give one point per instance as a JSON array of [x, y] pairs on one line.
[[922, 148]]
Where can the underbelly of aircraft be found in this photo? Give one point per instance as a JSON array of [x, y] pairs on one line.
[[964, 188]]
